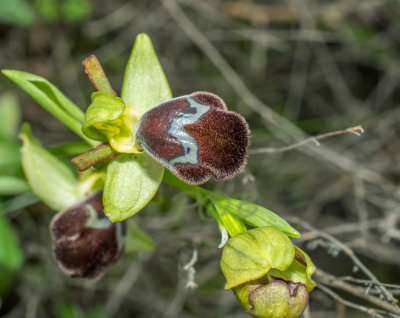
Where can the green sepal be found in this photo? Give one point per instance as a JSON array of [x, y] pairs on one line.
[[251, 255], [145, 85], [131, 182], [297, 272], [49, 178], [101, 115]]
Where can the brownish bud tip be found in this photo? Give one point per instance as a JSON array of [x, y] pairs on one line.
[[273, 299]]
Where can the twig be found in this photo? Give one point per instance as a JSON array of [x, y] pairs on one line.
[[316, 233], [334, 282], [367, 282], [125, 285], [369, 311], [285, 127], [357, 130]]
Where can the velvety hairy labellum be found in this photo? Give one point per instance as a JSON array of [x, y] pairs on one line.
[[85, 242], [195, 136]]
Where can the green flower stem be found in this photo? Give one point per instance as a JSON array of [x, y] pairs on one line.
[[101, 153], [233, 225], [96, 75]]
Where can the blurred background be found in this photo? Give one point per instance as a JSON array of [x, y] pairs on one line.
[[293, 69]]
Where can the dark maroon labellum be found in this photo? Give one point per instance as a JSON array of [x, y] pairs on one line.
[[85, 242], [195, 136]]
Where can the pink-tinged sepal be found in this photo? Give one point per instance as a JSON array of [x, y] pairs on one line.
[[195, 136]]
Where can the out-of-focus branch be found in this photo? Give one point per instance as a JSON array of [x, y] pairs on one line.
[[357, 130]]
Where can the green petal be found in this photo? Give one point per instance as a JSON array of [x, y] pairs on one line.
[[104, 109], [298, 272], [50, 179], [132, 181], [251, 255]]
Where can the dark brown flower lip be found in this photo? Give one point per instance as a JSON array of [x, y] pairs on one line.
[[85, 242], [195, 137]]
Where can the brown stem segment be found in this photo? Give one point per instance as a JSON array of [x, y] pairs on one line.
[[101, 153], [96, 75]]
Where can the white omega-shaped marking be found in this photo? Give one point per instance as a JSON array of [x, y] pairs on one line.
[[177, 130], [93, 221]]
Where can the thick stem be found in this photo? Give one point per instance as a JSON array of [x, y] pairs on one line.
[[101, 153]]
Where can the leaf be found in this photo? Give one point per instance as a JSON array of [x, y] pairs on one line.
[[10, 158], [251, 255], [253, 214], [10, 185], [50, 179], [48, 9], [130, 185], [11, 257], [145, 85], [9, 116], [131, 182], [76, 10], [20, 201], [16, 12], [51, 99]]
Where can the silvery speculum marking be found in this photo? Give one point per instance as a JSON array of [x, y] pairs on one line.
[[177, 130], [93, 221]]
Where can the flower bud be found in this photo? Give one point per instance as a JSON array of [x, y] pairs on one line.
[[85, 242], [274, 299], [270, 277]]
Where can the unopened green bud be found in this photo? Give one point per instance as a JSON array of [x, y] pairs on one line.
[[268, 274]]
